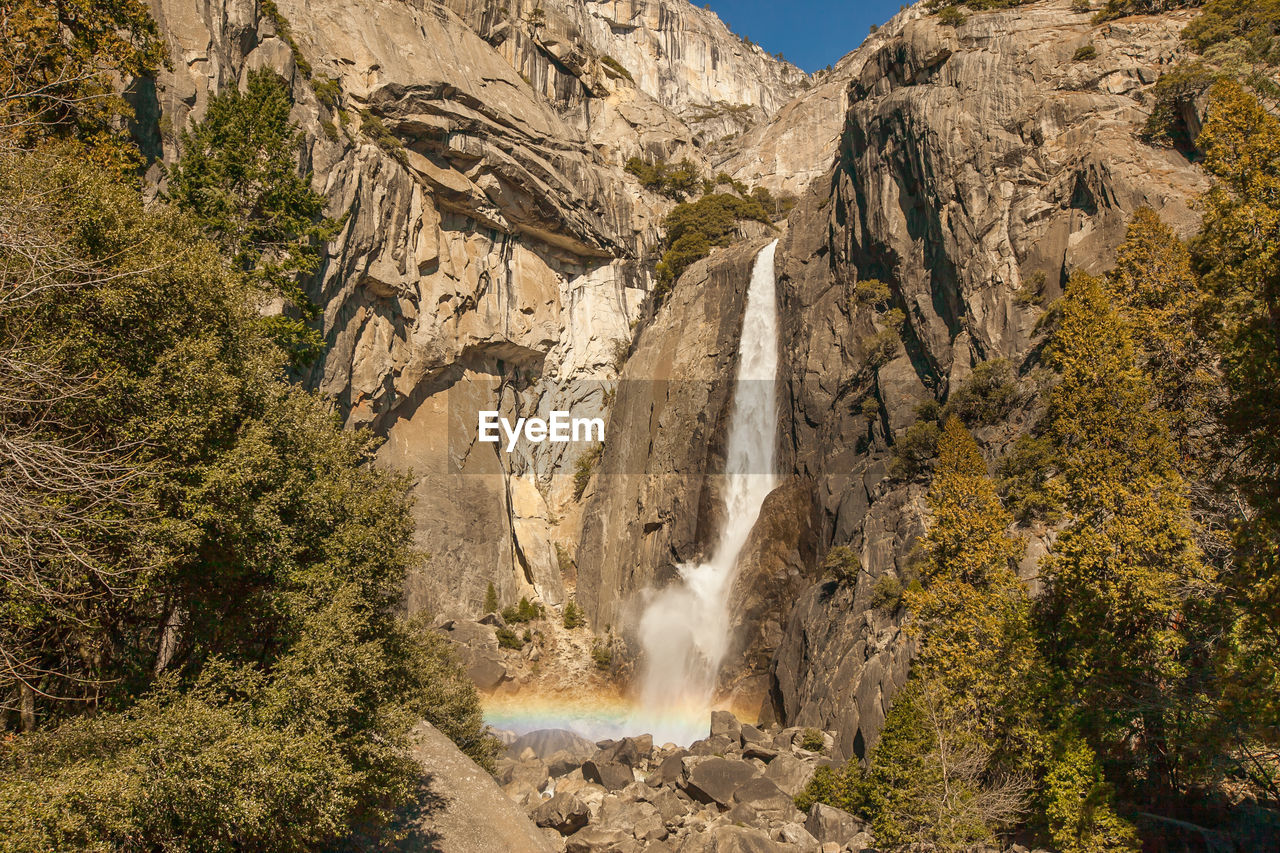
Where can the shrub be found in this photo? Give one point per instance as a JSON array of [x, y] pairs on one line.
[[812, 740], [525, 611], [582, 471], [886, 594], [573, 616], [915, 450], [616, 67], [675, 182], [1256, 23], [372, 127], [491, 599], [1174, 92], [1084, 53], [601, 655], [950, 16], [843, 788], [1024, 480], [328, 92], [1081, 7], [694, 228], [988, 394], [507, 639], [872, 293], [842, 565]]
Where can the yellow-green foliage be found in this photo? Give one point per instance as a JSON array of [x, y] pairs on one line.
[[616, 67], [1256, 23], [573, 616], [676, 182], [842, 565], [987, 395], [937, 774], [812, 740], [58, 68], [1122, 571], [525, 611], [1239, 252], [582, 469]]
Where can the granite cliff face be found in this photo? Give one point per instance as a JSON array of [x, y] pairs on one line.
[[496, 255], [494, 252]]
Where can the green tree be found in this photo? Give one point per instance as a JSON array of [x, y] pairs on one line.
[[238, 176], [953, 765], [57, 62], [1078, 803], [1238, 253], [217, 576], [1125, 569]]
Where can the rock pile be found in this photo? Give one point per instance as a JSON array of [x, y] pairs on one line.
[[732, 792]]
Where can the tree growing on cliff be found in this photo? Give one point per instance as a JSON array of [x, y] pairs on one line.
[[238, 177]]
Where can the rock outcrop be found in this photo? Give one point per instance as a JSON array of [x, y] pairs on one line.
[[460, 808]]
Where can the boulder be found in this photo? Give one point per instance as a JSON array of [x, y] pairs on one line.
[[749, 734], [547, 742], [789, 773], [766, 798], [794, 833], [461, 809], [565, 813], [827, 823], [716, 779], [612, 775], [631, 751], [729, 839], [595, 839], [760, 751], [669, 770], [725, 723]]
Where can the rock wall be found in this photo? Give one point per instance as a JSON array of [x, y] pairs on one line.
[[978, 166]]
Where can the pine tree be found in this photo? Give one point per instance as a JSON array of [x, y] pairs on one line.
[[238, 175], [1238, 253], [952, 765], [491, 599], [1122, 570]]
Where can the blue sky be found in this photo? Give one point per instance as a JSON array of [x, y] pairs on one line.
[[810, 33]]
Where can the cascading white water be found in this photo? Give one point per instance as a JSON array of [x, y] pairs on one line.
[[685, 627]]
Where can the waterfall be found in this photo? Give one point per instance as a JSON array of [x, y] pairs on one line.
[[685, 627]]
